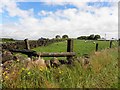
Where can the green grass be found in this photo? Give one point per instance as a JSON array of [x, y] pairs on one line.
[[80, 47], [55, 47], [101, 73]]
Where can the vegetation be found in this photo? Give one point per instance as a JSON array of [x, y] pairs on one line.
[[91, 37], [57, 37], [80, 46], [96, 37], [102, 72], [65, 36], [7, 39]]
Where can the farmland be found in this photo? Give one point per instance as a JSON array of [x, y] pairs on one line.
[[59, 44], [102, 72], [80, 47]]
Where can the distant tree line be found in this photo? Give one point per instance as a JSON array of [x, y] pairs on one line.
[[91, 37], [7, 39]]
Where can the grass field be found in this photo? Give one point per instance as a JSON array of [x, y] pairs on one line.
[[80, 47]]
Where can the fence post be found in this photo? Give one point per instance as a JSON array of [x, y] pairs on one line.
[[111, 44], [27, 44], [69, 49], [119, 42], [96, 47]]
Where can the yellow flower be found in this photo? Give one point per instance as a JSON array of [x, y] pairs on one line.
[[29, 73], [4, 73], [23, 68], [18, 60], [6, 77], [13, 73], [41, 69], [6, 68], [60, 72]]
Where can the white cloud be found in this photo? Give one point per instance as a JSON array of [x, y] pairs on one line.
[[74, 22], [44, 13], [14, 10]]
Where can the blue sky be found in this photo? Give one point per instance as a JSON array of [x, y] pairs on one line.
[[100, 4], [39, 6], [48, 19]]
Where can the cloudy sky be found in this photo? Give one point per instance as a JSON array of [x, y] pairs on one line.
[[20, 19]]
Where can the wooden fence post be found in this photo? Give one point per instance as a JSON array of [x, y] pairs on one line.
[[69, 49], [96, 47], [27, 44], [111, 44], [119, 42], [69, 45]]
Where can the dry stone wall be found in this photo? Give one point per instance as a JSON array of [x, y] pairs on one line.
[[33, 44]]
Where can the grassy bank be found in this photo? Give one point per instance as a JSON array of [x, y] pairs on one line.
[[102, 72]]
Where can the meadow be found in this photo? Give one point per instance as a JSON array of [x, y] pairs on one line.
[[102, 72], [80, 47]]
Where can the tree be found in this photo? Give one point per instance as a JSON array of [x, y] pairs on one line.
[[57, 37], [65, 36], [82, 37], [91, 37], [97, 37]]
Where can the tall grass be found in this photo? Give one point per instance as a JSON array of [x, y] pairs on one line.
[[102, 72]]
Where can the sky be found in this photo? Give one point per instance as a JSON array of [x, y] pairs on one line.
[[33, 19]]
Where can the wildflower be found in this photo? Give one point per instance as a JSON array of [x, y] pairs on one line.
[[60, 72], [41, 69], [23, 68], [6, 68], [18, 60], [29, 73], [13, 73], [6, 77], [4, 73]]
